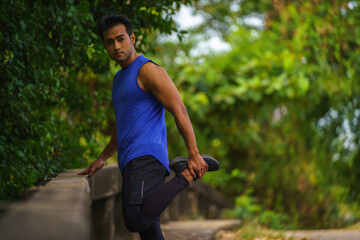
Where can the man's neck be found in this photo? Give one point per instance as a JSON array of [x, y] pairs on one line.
[[128, 61]]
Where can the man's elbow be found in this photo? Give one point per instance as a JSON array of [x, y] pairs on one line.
[[181, 111]]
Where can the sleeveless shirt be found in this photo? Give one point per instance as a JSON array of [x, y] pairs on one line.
[[140, 118]]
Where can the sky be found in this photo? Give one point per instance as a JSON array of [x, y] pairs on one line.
[[186, 20]]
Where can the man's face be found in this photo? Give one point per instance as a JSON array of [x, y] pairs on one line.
[[118, 43]]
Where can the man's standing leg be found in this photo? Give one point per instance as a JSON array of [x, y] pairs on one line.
[[153, 232]]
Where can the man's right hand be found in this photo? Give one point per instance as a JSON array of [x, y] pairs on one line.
[[197, 166], [93, 168]]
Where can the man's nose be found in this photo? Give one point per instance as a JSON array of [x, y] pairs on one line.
[[117, 45]]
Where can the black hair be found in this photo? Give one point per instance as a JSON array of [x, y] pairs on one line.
[[110, 21]]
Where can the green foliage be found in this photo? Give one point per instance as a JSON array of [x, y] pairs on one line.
[[275, 220], [246, 207], [281, 107], [53, 99]]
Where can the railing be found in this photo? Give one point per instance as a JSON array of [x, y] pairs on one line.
[[73, 207]]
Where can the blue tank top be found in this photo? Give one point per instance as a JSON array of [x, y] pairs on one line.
[[140, 118]]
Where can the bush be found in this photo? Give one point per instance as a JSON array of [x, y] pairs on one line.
[[50, 114]]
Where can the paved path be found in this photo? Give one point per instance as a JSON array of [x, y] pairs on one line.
[[333, 234], [196, 229], [207, 229]]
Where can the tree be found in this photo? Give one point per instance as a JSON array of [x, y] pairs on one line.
[[280, 108]]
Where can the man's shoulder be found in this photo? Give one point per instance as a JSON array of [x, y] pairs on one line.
[[151, 75], [150, 69]]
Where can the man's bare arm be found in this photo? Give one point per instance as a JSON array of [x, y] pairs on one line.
[[155, 80], [109, 150]]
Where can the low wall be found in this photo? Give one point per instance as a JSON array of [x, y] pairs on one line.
[[59, 210], [74, 207]]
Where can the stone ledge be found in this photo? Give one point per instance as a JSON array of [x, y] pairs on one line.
[[106, 182], [59, 210], [63, 208]]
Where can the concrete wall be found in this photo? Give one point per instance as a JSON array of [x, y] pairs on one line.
[[59, 210], [74, 207]]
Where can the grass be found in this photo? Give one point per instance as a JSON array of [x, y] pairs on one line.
[[356, 226], [253, 231]]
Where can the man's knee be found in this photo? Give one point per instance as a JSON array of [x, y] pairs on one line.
[[133, 219]]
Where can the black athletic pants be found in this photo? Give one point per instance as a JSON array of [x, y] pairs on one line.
[[146, 196]]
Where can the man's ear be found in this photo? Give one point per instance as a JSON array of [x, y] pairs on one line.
[[132, 37]]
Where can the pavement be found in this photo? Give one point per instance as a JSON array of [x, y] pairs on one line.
[[208, 229], [329, 234], [197, 229]]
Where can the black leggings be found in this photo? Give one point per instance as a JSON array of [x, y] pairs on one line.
[[146, 196]]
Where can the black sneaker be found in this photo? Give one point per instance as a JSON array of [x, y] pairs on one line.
[[179, 164]]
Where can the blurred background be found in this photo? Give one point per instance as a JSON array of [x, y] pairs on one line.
[[272, 88]]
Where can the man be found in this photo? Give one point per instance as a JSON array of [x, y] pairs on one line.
[[141, 91]]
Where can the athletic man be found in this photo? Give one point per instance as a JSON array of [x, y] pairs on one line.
[[141, 91]]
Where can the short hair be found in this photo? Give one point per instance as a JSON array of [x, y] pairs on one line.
[[110, 21]]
